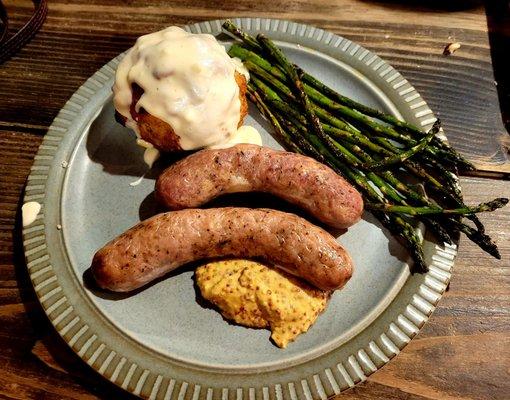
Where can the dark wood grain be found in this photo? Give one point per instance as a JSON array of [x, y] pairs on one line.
[[464, 350], [498, 22], [79, 37], [35, 361]]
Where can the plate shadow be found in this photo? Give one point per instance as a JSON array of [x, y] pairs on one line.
[[91, 285], [114, 147]]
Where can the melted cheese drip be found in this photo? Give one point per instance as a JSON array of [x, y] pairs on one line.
[[245, 134], [257, 296], [239, 66], [137, 182], [150, 154], [188, 81], [29, 212]]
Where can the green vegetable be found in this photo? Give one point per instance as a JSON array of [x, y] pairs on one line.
[[371, 149]]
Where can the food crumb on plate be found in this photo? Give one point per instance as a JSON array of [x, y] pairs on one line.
[[451, 48]]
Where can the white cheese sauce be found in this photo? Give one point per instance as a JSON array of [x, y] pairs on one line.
[[188, 81], [137, 182], [29, 212], [245, 134], [151, 154]]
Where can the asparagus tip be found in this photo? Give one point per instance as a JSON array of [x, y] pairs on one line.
[[492, 205], [293, 74], [487, 244], [497, 203]]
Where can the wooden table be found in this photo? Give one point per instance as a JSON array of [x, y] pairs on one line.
[[463, 352]]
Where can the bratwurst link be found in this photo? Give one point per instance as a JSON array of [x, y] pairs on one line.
[[298, 179], [166, 241]]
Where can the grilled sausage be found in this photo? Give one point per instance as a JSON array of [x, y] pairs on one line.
[[298, 179], [166, 241]]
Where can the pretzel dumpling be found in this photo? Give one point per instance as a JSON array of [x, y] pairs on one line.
[[161, 134]]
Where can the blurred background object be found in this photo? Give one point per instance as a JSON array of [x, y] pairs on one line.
[[10, 44], [498, 22]]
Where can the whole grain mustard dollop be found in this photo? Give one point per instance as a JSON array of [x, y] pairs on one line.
[[254, 295]]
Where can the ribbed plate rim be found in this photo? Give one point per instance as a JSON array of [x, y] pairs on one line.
[[116, 365]]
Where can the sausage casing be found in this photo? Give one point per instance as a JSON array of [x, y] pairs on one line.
[[297, 179], [166, 241]]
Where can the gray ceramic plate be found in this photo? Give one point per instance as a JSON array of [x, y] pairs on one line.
[[163, 343]]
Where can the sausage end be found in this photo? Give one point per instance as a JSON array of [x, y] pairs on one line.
[[105, 275]]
